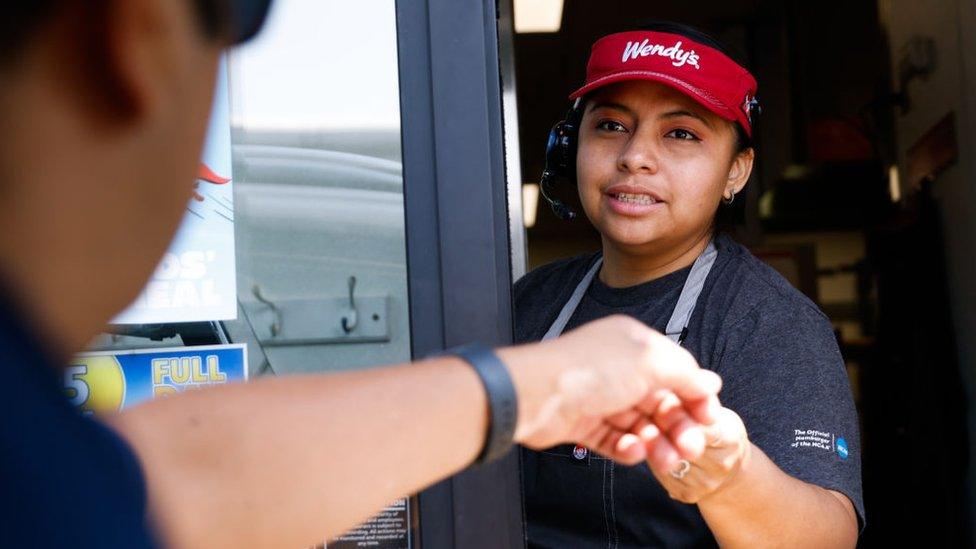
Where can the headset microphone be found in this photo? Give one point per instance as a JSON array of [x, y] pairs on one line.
[[561, 159], [559, 207]]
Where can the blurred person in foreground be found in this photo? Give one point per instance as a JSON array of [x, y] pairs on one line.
[[103, 108]]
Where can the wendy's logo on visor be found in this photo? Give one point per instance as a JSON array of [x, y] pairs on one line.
[[678, 56], [722, 87]]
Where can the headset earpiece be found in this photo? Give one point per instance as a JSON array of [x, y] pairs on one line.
[[561, 158]]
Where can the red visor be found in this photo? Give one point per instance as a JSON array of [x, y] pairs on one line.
[[703, 73]]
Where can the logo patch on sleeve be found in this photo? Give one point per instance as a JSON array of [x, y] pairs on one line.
[[842, 448], [822, 440]]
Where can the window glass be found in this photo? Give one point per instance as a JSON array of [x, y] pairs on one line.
[[315, 204], [321, 264], [301, 182]]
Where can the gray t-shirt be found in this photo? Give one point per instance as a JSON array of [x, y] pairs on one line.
[[782, 373]]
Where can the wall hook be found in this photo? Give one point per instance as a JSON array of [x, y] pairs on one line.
[[350, 319], [276, 324]]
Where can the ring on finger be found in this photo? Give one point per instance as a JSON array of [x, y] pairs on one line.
[[682, 469]]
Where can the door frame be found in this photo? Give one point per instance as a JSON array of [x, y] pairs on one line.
[[459, 265]]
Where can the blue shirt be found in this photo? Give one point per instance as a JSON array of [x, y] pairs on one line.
[[65, 480]]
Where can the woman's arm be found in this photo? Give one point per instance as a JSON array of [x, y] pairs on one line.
[[290, 461], [748, 501], [764, 507], [794, 418]]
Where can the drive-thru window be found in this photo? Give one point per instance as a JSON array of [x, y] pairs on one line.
[[360, 202]]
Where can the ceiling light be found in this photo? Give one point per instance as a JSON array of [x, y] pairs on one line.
[[538, 15], [894, 183], [530, 204]]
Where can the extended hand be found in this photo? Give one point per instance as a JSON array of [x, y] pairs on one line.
[[727, 449], [598, 384]]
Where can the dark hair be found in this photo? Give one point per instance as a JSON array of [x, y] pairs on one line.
[[22, 19], [19, 22], [695, 34]]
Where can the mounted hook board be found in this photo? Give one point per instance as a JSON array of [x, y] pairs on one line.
[[318, 321]]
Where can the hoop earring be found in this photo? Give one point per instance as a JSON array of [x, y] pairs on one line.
[[728, 201]]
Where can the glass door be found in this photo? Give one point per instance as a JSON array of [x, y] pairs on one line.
[[322, 266]]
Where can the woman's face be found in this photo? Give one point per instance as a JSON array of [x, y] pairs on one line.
[[653, 164]]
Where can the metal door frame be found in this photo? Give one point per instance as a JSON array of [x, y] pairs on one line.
[[458, 246]]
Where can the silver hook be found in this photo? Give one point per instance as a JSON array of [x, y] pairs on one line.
[[276, 325], [350, 320]]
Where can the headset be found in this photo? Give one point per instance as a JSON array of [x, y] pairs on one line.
[[561, 159]]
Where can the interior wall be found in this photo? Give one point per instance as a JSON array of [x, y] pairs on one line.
[[950, 88]]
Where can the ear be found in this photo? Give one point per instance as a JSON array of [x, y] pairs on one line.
[[739, 172], [130, 60]]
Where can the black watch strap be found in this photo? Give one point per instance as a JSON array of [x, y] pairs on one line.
[[502, 400]]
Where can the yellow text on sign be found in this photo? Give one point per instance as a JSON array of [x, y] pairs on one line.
[[168, 373]]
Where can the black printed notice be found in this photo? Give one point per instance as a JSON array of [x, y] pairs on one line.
[[388, 530]]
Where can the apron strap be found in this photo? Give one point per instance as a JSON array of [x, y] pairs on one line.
[[574, 300], [678, 323]]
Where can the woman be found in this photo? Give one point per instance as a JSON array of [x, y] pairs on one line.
[[659, 142]]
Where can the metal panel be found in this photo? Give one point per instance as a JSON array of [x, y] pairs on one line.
[[513, 158], [458, 252]]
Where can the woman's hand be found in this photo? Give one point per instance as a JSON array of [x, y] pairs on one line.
[[727, 451], [745, 498]]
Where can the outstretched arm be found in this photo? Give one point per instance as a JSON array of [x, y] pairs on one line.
[[289, 461]]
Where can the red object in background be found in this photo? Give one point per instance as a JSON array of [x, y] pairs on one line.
[[204, 173], [838, 140], [208, 175]]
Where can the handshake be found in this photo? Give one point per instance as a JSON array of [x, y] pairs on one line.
[[617, 387]]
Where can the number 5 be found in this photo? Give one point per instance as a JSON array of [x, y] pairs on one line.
[[76, 388]]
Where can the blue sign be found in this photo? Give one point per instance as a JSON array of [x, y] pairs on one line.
[[111, 381]]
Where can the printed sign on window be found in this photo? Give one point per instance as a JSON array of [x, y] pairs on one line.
[[109, 381], [390, 529]]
